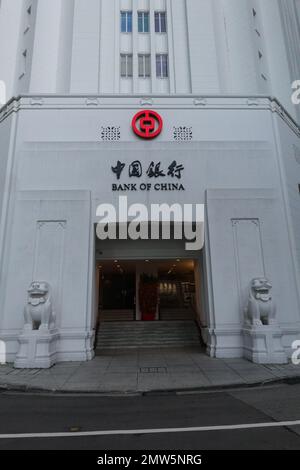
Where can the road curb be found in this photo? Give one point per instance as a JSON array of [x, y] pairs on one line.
[[292, 380]]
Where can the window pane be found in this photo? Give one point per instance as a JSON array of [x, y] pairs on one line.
[[126, 65], [141, 66], [165, 72], [129, 22], [123, 65], [160, 22], [123, 22], [129, 66], [163, 23], [126, 21], [143, 22], [144, 65], [140, 22], [146, 23], [147, 66], [157, 23], [162, 68], [158, 66]]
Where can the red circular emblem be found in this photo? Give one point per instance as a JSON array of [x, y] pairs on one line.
[[147, 124]]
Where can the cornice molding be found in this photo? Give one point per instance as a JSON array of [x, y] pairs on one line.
[[215, 102]]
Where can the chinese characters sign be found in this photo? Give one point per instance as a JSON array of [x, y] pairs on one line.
[[153, 172]]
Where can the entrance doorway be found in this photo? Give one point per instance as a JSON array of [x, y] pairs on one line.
[[149, 294], [124, 291]]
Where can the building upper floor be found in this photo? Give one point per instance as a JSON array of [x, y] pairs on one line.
[[150, 47]]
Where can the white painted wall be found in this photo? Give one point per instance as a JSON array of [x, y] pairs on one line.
[[62, 171], [214, 47], [10, 24]]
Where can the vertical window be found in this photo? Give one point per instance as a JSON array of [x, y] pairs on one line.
[[28, 19], [143, 22], [162, 67], [160, 22], [144, 65], [126, 21], [126, 65]]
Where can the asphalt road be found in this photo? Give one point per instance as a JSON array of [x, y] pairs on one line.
[[28, 413]]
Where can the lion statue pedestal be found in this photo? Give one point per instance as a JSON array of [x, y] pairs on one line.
[[262, 334], [38, 340]]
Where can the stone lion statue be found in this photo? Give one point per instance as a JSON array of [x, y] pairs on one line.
[[261, 309], [38, 310]]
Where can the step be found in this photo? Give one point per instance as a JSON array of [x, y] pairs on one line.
[[149, 324], [167, 314], [114, 335], [116, 315], [147, 332]]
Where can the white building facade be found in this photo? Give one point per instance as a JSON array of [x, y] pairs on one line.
[[219, 73]]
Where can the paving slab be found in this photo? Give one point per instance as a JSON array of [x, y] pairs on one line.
[[147, 370]]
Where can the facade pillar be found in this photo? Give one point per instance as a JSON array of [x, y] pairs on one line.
[[86, 46], [45, 58], [239, 42], [202, 47]]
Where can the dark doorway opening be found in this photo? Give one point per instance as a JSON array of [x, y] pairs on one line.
[[117, 291]]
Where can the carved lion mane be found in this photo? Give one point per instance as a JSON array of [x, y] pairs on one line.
[[261, 309], [38, 311]]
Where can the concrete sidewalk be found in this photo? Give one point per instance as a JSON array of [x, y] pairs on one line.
[[143, 370]]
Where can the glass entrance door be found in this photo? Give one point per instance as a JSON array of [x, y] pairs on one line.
[[118, 291]]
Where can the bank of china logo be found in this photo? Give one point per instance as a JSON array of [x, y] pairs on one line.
[[147, 124]]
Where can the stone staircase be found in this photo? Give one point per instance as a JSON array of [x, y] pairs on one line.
[[160, 334], [117, 315], [177, 314]]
